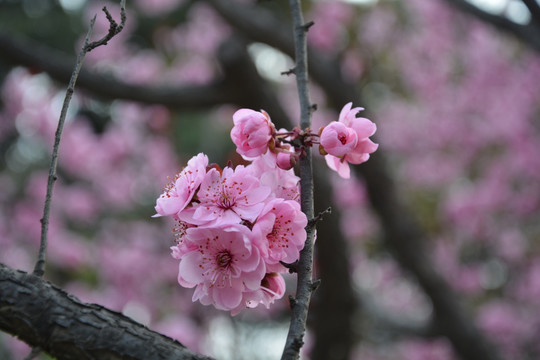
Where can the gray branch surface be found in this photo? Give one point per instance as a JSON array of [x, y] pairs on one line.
[[45, 316], [305, 286]]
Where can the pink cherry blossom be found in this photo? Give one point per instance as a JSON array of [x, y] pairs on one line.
[[363, 128], [229, 197], [223, 265], [179, 193], [280, 231], [283, 183], [251, 133], [338, 139]]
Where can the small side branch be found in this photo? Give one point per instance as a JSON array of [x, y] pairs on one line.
[[319, 217], [114, 28], [39, 268]]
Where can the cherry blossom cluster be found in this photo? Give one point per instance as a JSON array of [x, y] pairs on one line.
[[234, 228], [237, 228]]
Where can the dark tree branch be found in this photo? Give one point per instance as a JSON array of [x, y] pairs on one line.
[[59, 66], [47, 317], [530, 33], [534, 9]]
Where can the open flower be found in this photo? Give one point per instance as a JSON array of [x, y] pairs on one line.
[[251, 133], [279, 231], [180, 191], [222, 265], [227, 198]]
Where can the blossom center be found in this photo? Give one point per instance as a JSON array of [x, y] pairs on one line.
[[226, 201], [224, 259]]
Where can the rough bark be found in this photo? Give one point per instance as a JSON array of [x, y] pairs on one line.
[[47, 317]]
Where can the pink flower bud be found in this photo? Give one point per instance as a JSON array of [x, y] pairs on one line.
[[251, 133], [338, 139], [273, 287], [285, 161]]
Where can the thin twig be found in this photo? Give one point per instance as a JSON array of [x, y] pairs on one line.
[[114, 28], [304, 286], [319, 216], [39, 268]]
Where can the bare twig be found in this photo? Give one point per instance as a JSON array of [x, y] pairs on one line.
[[114, 28], [319, 216], [39, 268], [304, 286]]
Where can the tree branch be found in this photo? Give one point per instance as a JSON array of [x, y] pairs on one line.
[[530, 33], [21, 51], [47, 317], [534, 9], [305, 285], [114, 28], [39, 268]]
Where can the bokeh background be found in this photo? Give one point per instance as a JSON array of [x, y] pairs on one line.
[[443, 218]]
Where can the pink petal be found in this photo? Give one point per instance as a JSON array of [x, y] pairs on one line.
[[191, 269], [228, 297], [342, 167]]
